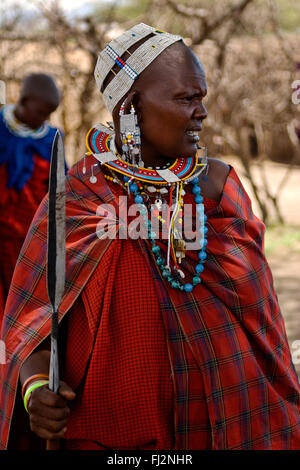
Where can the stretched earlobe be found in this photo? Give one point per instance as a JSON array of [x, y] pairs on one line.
[[130, 133], [129, 100], [137, 106]]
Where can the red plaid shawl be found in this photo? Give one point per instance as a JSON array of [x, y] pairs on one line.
[[231, 321]]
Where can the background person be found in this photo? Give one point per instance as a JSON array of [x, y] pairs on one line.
[[25, 152]]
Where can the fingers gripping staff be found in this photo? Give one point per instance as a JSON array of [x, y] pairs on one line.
[[56, 257]]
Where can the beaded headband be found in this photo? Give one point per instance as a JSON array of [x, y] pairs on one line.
[[138, 60]]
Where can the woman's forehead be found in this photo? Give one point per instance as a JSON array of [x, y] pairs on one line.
[[176, 73]]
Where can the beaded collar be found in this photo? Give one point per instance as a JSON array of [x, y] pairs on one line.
[[20, 129], [100, 142]]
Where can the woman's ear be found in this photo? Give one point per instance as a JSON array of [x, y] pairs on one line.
[[133, 98], [136, 101], [128, 101], [126, 104]]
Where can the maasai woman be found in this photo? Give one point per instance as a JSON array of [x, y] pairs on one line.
[[25, 151], [171, 334]]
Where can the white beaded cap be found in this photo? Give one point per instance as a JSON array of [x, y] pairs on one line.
[[134, 65]]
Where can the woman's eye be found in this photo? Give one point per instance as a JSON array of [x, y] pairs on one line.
[[186, 99], [189, 99]]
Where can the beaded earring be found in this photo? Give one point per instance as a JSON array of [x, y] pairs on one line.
[[131, 137]]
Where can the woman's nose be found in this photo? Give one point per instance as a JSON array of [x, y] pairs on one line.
[[200, 111]]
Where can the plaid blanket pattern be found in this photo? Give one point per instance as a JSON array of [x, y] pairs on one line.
[[236, 333], [231, 321]]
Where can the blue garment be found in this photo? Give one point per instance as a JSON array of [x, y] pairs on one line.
[[17, 152]]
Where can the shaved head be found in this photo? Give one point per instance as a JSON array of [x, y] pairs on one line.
[[39, 98], [41, 86], [172, 58], [175, 58]]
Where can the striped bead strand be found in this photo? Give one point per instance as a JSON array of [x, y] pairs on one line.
[[160, 260], [203, 230], [138, 199], [166, 273]]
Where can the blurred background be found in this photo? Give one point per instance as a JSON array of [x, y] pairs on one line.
[[251, 53]]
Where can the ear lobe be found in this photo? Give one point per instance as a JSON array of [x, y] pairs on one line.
[[137, 106], [128, 102], [133, 98]]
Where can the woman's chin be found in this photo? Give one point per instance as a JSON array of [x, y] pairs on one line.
[[188, 153], [190, 147]]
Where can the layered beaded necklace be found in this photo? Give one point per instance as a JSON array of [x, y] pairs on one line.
[[19, 128], [144, 183]]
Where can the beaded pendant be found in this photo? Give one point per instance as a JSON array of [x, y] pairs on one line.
[[174, 275]]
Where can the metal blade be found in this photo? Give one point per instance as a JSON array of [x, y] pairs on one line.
[[56, 224], [56, 257]]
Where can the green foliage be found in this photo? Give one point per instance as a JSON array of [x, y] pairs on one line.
[[282, 239], [123, 9], [289, 14]]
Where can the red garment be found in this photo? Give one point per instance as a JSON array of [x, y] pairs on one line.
[[231, 321], [17, 209], [128, 376]]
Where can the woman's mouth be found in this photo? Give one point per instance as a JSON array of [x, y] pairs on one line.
[[193, 135]]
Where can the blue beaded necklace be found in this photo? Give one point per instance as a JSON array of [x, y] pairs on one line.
[[160, 260]]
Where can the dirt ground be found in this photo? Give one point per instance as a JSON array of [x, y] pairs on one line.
[[283, 252]]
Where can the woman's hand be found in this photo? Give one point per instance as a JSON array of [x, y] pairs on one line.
[[48, 411]]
